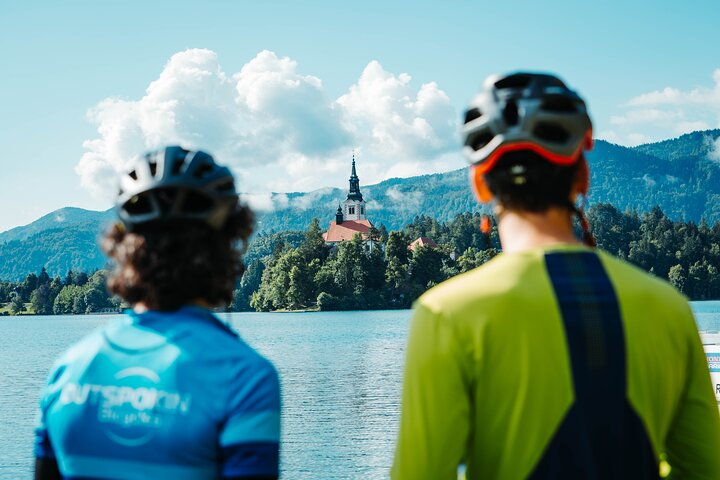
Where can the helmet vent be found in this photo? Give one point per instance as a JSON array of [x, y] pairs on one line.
[[513, 81], [133, 175], [481, 140], [551, 133], [203, 170], [472, 114], [177, 166], [510, 113], [559, 104], [153, 168], [138, 205]]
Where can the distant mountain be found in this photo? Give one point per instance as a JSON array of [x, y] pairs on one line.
[[66, 239], [68, 217], [679, 175]]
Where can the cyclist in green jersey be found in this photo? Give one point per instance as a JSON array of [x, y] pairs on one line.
[[554, 360]]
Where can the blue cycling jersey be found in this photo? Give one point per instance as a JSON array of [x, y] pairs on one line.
[[162, 394]]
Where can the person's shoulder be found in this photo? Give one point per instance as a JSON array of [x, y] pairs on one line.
[[226, 342], [496, 281], [73, 360], [632, 282], [86, 347]]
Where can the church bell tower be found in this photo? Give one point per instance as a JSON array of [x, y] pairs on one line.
[[354, 206]]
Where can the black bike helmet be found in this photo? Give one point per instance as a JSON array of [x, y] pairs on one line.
[[525, 111], [176, 184]]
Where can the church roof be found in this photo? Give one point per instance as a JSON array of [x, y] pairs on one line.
[[422, 242], [347, 230]]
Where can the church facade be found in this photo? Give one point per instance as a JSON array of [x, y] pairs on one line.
[[351, 216]]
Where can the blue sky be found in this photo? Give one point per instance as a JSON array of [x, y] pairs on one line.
[[283, 91]]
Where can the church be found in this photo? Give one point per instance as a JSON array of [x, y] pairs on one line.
[[351, 216]]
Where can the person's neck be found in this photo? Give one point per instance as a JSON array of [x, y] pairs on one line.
[[142, 307], [520, 230]]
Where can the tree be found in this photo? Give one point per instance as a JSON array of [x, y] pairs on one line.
[[16, 303], [80, 279], [350, 275], [426, 268], [396, 282], [313, 246], [677, 278], [30, 284], [279, 277], [397, 246], [43, 278], [65, 302], [42, 300], [249, 283], [95, 294]]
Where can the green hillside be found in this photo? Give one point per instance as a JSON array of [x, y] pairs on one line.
[[678, 175]]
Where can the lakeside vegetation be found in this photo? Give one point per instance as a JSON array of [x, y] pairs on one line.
[[296, 271]]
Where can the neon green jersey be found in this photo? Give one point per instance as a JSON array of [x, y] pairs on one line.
[[551, 364]]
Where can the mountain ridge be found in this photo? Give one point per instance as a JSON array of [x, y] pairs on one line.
[[676, 174]]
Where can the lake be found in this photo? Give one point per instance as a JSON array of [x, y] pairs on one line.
[[341, 376]]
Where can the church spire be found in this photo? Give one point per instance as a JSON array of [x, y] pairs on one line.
[[354, 193], [354, 173]]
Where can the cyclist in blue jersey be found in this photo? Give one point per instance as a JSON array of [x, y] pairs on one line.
[[168, 391]]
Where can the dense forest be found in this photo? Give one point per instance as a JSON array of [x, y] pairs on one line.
[[679, 175], [295, 270], [77, 293]]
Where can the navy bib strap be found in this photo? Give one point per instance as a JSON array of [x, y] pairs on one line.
[[601, 436]]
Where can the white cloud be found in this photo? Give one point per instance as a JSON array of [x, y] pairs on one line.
[[404, 200], [628, 139], [275, 125], [714, 145], [666, 113], [387, 115], [259, 202], [705, 96]]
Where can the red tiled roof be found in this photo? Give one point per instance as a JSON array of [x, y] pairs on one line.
[[422, 242], [347, 230]]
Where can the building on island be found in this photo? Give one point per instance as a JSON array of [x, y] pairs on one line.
[[422, 242], [350, 217]]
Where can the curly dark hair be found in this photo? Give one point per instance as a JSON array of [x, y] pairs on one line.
[[523, 180], [166, 265]]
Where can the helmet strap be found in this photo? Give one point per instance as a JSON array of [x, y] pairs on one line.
[[486, 222], [479, 187]]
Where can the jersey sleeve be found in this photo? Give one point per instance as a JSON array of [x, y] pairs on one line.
[[694, 438], [250, 436], [435, 417], [43, 448]]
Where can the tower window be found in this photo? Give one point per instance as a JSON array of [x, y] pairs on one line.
[[362, 210], [351, 210]]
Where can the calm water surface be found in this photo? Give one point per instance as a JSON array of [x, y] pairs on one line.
[[341, 375]]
